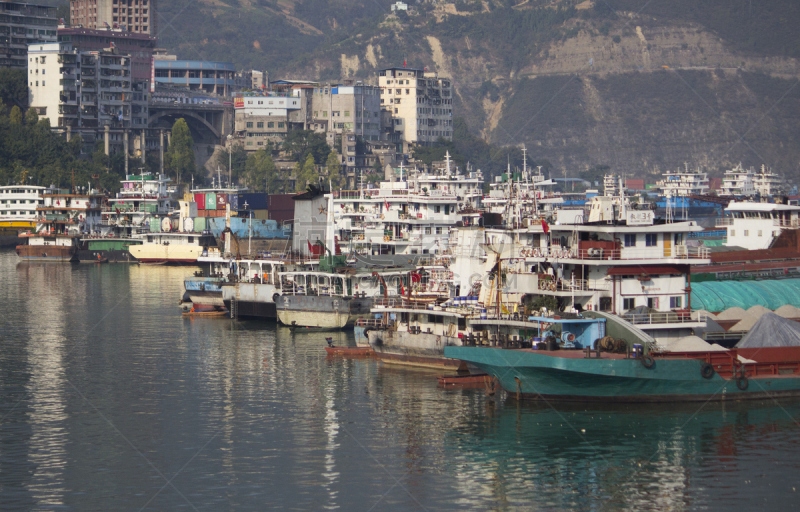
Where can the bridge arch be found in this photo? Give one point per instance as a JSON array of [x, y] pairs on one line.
[[197, 124]]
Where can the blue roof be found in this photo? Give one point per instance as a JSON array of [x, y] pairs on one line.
[[721, 295], [194, 64]]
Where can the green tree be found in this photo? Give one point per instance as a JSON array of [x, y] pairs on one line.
[[334, 167], [31, 117], [180, 155], [13, 86], [300, 143], [306, 174], [261, 172], [15, 116]]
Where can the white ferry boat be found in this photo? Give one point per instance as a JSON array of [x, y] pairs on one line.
[[403, 220], [18, 204], [172, 247], [684, 183]]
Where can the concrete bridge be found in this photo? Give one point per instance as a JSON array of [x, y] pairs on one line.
[[209, 123]]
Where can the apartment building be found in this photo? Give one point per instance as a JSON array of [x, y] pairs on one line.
[[139, 47], [350, 108], [90, 93], [20, 25], [420, 104], [263, 117], [132, 15]]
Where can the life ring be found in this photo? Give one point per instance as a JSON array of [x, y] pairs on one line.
[[275, 297], [382, 217], [741, 382], [648, 361], [707, 371], [80, 218]]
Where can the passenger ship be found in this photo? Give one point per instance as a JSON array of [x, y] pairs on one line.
[[18, 204]]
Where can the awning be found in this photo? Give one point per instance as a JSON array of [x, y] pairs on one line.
[[652, 270]]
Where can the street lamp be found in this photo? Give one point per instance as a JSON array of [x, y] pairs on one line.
[[230, 152]]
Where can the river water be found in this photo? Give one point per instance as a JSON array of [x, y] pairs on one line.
[[111, 400]]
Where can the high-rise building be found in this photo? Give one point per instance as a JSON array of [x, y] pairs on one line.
[[132, 15], [138, 46], [20, 25], [348, 108], [87, 93], [420, 103]]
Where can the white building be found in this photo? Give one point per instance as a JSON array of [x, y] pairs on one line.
[[420, 103], [264, 117], [738, 182], [86, 92], [756, 225]]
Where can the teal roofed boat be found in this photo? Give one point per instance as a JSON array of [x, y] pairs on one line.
[[592, 375]]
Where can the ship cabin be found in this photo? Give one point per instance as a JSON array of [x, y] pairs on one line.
[[205, 240], [754, 226]]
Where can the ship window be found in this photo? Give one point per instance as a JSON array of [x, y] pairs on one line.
[[628, 304], [652, 303], [675, 302], [759, 233], [733, 232], [191, 239], [630, 240], [651, 240], [746, 232]]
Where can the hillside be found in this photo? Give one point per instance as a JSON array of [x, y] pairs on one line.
[[639, 86]]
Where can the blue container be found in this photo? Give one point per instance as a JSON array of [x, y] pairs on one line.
[[252, 201]]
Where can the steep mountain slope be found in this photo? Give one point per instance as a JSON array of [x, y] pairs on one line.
[[640, 86]]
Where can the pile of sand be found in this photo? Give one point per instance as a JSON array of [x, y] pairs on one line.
[[757, 311], [788, 311], [734, 313]]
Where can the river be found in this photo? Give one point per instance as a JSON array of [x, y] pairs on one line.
[[111, 400]]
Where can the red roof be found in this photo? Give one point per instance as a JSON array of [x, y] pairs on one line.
[[633, 270], [634, 184]]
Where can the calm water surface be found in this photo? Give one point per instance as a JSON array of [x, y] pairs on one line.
[[111, 400]]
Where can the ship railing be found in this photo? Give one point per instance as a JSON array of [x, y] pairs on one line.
[[786, 223], [370, 322], [626, 253], [722, 222], [403, 303], [564, 285], [666, 317]]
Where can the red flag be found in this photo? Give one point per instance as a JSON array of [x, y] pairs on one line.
[[386, 204], [545, 227], [311, 249], [402, 289]]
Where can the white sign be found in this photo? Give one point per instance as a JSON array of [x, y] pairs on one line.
[[639, 218]]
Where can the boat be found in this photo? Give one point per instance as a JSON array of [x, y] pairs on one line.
[[408, 217], [588, 375], [61, 219], [18, 214], [330, 299], [140, 207], [172, 248]]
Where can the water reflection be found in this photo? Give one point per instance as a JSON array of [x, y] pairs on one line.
[[116, 393], [626, 457]]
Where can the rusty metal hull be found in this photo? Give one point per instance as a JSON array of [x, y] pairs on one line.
[[56, 253]]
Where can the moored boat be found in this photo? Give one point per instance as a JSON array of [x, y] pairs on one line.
[[173, 248], [590, 375]]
